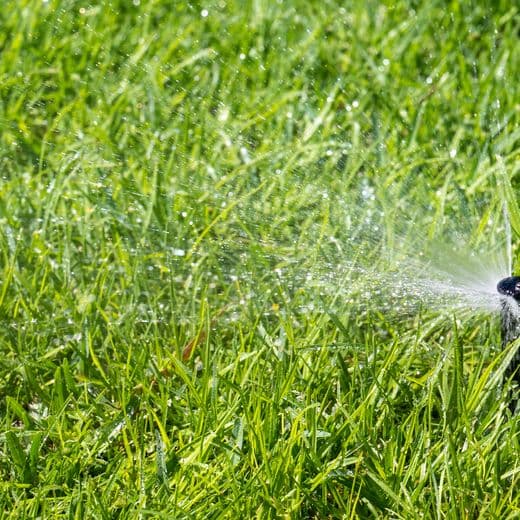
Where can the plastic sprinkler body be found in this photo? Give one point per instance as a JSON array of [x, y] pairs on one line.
[[510, 321]]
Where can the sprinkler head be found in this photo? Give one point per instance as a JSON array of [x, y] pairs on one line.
[[510, 287]]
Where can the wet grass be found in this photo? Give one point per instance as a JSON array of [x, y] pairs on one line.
[[186, 191]]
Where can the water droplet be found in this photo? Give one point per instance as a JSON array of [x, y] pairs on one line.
[[244, 154], [223, 114]]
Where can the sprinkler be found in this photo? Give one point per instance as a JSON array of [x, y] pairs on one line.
[[510, 317], [510, 287]]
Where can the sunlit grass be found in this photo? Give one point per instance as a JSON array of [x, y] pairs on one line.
[[195, 198]]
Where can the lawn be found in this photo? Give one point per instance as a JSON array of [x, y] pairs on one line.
[[220, 229]]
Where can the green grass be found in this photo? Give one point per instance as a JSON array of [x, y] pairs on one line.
[[174, 180]]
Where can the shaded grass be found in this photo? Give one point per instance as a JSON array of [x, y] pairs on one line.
[[170, 177]]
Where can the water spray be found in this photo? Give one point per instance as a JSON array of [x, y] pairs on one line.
[[510, 317]]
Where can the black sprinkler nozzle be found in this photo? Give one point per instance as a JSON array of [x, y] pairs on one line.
[[510, 286], [510, 318]]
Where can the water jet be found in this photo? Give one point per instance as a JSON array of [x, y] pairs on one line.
[[509, 288]]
